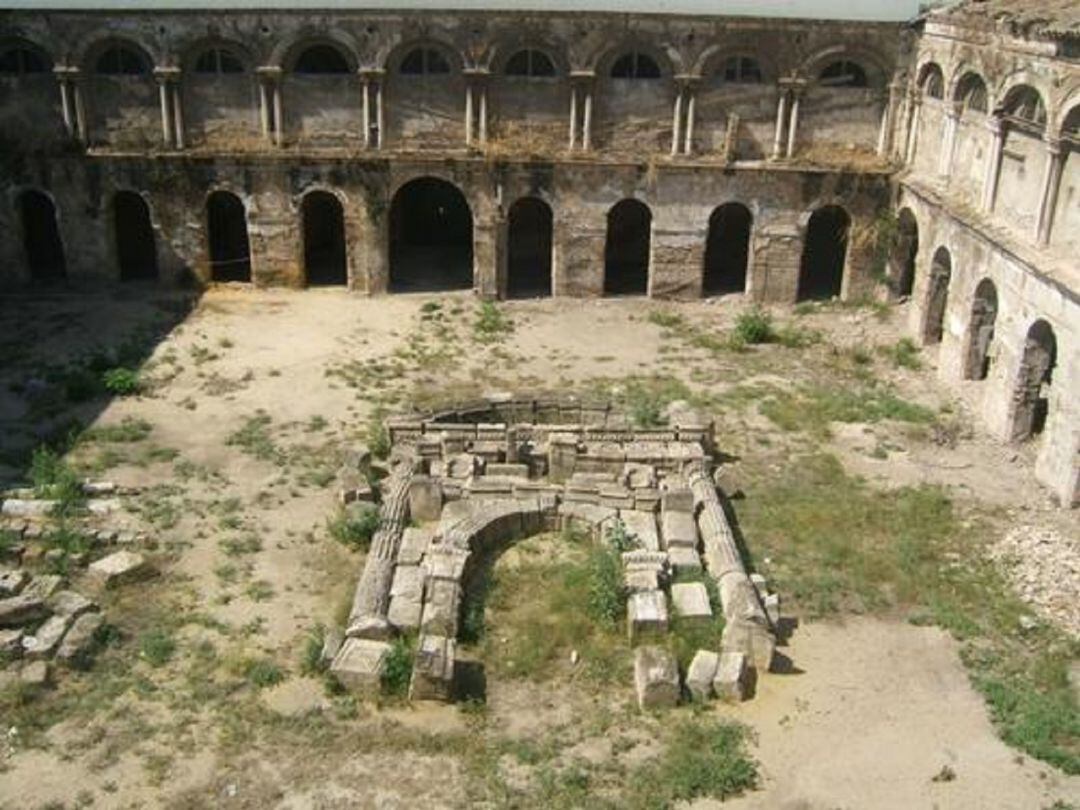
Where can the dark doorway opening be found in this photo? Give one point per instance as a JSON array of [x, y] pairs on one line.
[[821, 275], [981, 331], [41, 238], [136, 253], [529, 263], [902, 260], [227, 234], [324, 240], [1036, 375], [626, 253], [727, 250], [937, 296], [431, 238]]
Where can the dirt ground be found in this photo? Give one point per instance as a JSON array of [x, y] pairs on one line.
[[877, 709]]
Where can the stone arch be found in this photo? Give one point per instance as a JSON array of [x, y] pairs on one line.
[[97, 42], [980, 332], [193, 53], [135, 246], [628, 248], [1030, 398], [284, 54], [937, 296], [727, 249], [21, 57], [972, 93], [712, 59], [931, 80], [431, 229], [1070, 123], [325, 246], [394, 58], [42, 244], [504, 48], [870, 62], [221, 93], [1022, 101], [904, 254], [227, 240], [529, 248], [667, 60], [96, 57], [824, 255]]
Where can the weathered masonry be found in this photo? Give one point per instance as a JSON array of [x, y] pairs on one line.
[[576, 154]]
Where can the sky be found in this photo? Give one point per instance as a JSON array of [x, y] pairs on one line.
[[885, 10]]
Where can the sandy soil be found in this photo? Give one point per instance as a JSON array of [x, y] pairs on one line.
[[879, 708]]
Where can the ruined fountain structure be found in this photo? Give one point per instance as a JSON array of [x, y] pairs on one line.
[[466, 481]]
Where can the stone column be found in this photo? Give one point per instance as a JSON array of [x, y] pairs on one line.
[[264, 109], [948, 145], [586, 138], [573, 116], [676, 121], [279, 114], [270, 98], [178, 109], [380, 110], [888, 117], [365, 122], [1055, 164], [81, 125], [691, 104], [793, 124], [912, 144], [489, 253], [163, 78], [993, 163], [63, 83], [468, 111], [483, 122], [781, 114]]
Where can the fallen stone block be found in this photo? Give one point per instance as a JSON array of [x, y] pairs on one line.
[[732, 677], [755, 640], [118, 569], [359, 664], [11, 643], [641, 579], [425, 498], [656, 678], [43, 586], [433, 669], [677, 499], [646, 614], [70, 603], [18, 507], [17, 611], [507, 470], [404, 613], [702, 673], [414, 543], [79, 641], [679, 529], [408, 581], [683, 558], [104, 506], [441, 607], [36, 673], [12, 581], [44, 643], [333, 639], [691, 601], [641, 526]]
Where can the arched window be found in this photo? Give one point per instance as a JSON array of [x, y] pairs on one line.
[[971, 93], [424, 62], [635, 65], [1071, 128], [531, 63], [121, 60], [1024, 105], [843, 73], [321, 60], [218, 60], [933, 82], [21, 60], [741, 70]]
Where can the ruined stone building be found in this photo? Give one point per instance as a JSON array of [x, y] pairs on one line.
[[576, 153]]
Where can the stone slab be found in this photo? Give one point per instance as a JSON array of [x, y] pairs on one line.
[[70, 603], [17, 611], [425, 498], [44, 643], [43, 586], [677, 499], [641, 579], [79, 640], [679, 530], [433, 669], [12, 581], [701, 674], [359, 663], [507, 470], [36, 673], [408, 581], [118, 569], [691, 601], [642, 527], [11, 643], [404, 613], [732, 677], [656, 678], [414, 543], [682, 558]]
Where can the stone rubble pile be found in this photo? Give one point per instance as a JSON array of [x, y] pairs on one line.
[[1043, 567]]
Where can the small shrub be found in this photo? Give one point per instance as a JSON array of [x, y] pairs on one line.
[[491, 324], [54, 479], [311, 662], [618, 538], [754, 326], [397, 669], [262, 672], [905, 354], [378, 438], [122, 382], [606, 601], [156, 647], [356, 527]]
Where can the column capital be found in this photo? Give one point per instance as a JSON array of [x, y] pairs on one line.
[[167, 74], [995, 124], [271, 73], [67, 72], [1054, 145], [954, 109], [372, 73], [582, 76], [792, 84], [688, 80]]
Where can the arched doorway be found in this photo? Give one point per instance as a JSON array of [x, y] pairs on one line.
[[136, 253], [41, 237], [431, 238], [529, 262], [1031, 397], [821, 273], [227, 236], [727, 250], [904, 252], [626, 253], [937, 296], [981, 331], [324, 240]]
